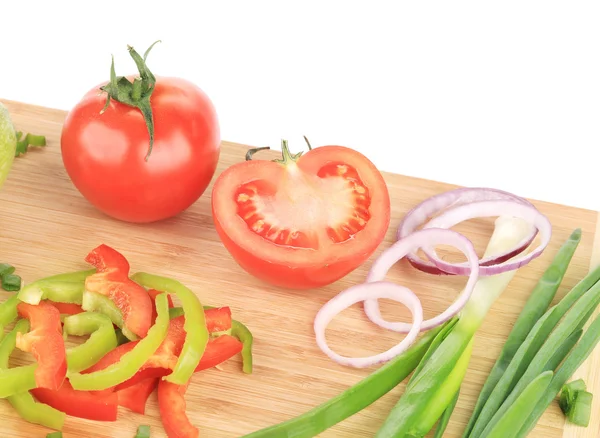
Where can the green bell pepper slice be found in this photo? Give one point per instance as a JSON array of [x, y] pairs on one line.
[[23, 402], [197, 335], [8, 310], [102, 339], [61, 288], [132, 361]]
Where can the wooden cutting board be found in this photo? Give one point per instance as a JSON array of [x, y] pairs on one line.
[[47, 227]]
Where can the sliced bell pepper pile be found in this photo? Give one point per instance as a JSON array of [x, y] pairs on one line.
[[136, 342], [112, 281], [45, 342]]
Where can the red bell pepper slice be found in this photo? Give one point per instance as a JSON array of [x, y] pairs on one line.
[[218, 319], [45, 341], [112, 280], [218, 351], [153, 293], [135, 397], [91, 405], [171, 404], [67, 308]]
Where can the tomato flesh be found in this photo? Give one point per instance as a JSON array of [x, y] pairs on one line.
[[302, 224]]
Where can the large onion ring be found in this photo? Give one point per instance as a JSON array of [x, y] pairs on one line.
[[426, 238], [356, 294], [421, 213], [491, 209]]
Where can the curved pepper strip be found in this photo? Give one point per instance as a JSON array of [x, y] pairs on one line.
[[95, 302], [241, 332], [196, 337], [172, 406], [45, 342], [62, 288], [23, 402], [81, 404], [132, 361], [102, 339]]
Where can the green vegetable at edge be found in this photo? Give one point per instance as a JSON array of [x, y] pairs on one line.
[[355, 398], [197, 335], [132, 361], [567, 394], [23, 402]]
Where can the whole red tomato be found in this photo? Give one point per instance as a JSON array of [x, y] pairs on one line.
[[106, 156]]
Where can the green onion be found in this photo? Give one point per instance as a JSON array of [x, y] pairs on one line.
[[537, 304], [405, 416], [576, 357], [445, 418], [143, 432], [515, 416], [573, 319], [55, 435], [11, 282], [357, 397]]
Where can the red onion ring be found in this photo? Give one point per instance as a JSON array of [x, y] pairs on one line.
[[421, 213], [418, 239], [490, 209], [360, 293]]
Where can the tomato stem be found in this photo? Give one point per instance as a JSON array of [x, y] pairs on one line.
[[251, 152], [287, 155], [136, 94], [308, 143]]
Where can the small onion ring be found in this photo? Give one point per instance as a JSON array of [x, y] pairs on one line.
[[356, 294], [418, 239], [421, 213], [490, 209]]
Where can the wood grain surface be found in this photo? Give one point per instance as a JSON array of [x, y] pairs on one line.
[[47, 227]]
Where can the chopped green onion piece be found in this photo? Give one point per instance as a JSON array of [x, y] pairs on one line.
[[143, 432], [581, 409], [11, 282], [29, 140], [55, 435], [6, 269], [568, 394]]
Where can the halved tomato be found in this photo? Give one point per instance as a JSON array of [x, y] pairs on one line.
[[304, 221]]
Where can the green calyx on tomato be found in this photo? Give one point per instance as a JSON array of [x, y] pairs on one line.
[[305, 220], [137, 93]]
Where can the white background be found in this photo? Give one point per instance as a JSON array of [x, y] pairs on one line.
[[503, 94]]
